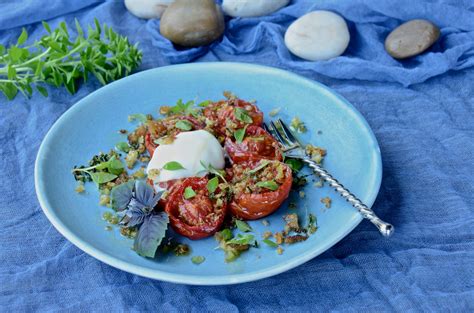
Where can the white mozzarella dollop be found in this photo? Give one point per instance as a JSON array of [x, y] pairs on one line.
[[188, 149]]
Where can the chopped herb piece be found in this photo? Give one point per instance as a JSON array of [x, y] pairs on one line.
[[122, 146], [297, 125], [183, 108], [212, 184], [246, 239], [205, 103], [225, 234], [242, 226], [274, 112], [270, 243], [102, 177], [262, 164], [173, 166], [211, 169], [239, 134], [271, 185], [108, 228], [184, 125], [189, 193], [242, 115], [198, 259], [312, 224], [295, 164], [142, 118]]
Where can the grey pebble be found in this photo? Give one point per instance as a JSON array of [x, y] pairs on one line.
[[411, 38]]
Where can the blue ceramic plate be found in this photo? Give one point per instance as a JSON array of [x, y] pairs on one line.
[[92, 125]]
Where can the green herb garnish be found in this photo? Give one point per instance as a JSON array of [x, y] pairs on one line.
[[245, 239], [271, 184], [183, 108], [212, 184], [198, 259], [123, 146], [58, 59], [270, 243], [262, 164], [242, 115], [102, 177], [205, 103], [184, 125], [139, 117], [239, 134], [295, 164], [242, 226], [225, 234], [104, 171], [211, 169], [189, 192], [173, 166]]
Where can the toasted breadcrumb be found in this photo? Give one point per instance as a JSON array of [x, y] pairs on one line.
[[267, 234], [302, 194], [317, 154], [278, 238], [265, 223], [327, 202], [80, 188], [291, 223], [274, 112], [295, 238], [280, 250]]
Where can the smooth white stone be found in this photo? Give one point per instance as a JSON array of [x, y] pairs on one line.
[[318, 35], [250, 8], [147, 8]]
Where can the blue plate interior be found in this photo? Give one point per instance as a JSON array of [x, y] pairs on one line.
[[92, 125]]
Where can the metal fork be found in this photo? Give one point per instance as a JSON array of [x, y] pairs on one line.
[[293, 149]]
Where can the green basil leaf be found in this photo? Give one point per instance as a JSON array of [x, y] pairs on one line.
[[271, 184], [189, 193], [198, 259], [139, 117], [243, 226], [212, 184], [205, 103], [184, 125], [115, 166], [46, 26], [173, 166], [102, 177], [239, 134], [122, 146], [242, 239], [294, 164], [242, 115], [262, 164], [226, 234], [270, 243], [23, 37]]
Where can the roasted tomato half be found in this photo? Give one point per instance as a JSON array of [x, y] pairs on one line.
[[230, 115], [168, 186], [260, 187], [198, 216], [167, 128], [257, 144]]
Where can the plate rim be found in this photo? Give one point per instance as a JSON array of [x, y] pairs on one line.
[[196, 279]]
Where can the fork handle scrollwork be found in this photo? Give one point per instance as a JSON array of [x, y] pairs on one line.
[[385, 229]]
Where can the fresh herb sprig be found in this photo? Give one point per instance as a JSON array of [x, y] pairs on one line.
[[58, 60]]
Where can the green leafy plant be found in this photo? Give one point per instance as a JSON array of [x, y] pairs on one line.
[[56, 59]]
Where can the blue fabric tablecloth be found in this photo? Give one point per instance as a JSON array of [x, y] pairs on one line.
[[421, 110]]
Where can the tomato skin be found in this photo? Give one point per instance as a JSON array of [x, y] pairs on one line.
[[197, 217], [223, 111], [255, 206], [149, 137], [168, 185], [249, 149]]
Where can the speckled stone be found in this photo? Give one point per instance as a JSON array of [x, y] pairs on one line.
[[191, 23], [411, 38], [318, 35]]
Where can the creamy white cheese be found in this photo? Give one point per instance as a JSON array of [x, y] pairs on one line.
[[189, 149]]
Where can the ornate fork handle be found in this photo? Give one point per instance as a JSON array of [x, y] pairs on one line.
[[385, 229]]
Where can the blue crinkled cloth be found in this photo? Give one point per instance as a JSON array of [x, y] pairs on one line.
[[421, 110]]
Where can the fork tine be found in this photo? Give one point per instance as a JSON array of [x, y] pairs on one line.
[[279, 137], [287, 132], [274, 134]]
